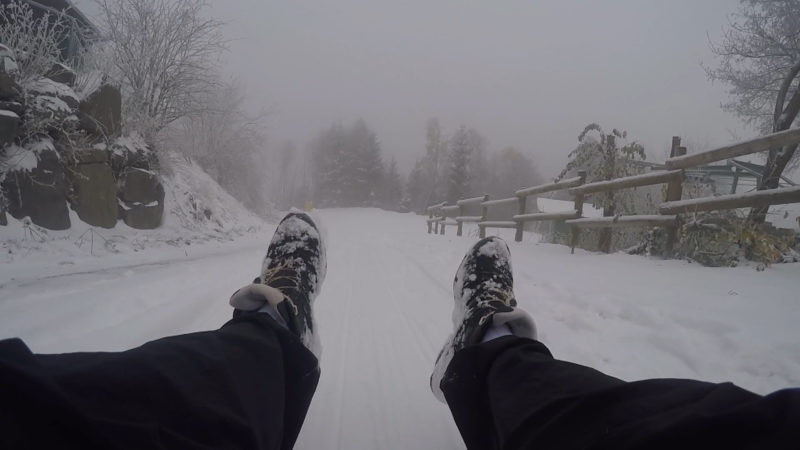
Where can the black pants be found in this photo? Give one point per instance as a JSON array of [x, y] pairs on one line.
[[510, 393], [249, 384]]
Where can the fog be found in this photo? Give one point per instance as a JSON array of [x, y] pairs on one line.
[[525, 74]]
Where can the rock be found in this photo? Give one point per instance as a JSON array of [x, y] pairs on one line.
[[140, 186], [9, 127], [141, 199], [6, 52], [143, 217], [9, 89], [45, 87], [40, 194], [94, 194], [91, 156], [8, 62], [122, 159], [101, 112], [15, 107], [61, 74], [48, 114]]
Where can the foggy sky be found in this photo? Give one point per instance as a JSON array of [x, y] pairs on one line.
[[529, 74]]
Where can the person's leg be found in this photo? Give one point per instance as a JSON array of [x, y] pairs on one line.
[[246, 385], [510, 392]]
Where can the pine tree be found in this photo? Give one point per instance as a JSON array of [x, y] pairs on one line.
[[330, 164], [348, 168], [458, 170], [392, 187], [478, 173], [434, 163], [367, 166], [512, 170], [416, 192]]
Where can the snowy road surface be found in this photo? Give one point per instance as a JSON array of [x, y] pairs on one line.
[[385, 309]]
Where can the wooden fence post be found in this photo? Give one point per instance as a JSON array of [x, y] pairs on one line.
[[674, 193], [484, 216], [460, 228], [523, 200], [444, 217], [430, 224], [575, 230]]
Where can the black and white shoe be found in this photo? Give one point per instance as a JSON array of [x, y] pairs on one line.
[[483, 291], [291, 277]]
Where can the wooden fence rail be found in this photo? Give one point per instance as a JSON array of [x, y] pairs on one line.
[[670, 210]]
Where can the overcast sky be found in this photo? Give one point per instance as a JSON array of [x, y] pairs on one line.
[[530, 74]]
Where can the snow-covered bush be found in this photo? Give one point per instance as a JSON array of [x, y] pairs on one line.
[[34, 41]]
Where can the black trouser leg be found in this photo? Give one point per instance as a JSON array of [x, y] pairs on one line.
[[510, 393], [246, 385]]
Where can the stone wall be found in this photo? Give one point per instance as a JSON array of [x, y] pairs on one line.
[[60, 151]]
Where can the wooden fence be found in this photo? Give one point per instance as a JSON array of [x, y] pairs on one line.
[[670, 210]]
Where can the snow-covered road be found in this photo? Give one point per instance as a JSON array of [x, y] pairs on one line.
[[385, 309]]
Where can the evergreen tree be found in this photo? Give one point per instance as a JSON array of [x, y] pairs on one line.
[[348, 168], [416, 192], [330, 164], [434, 163], [478, 173], [512, 170], [366, 166], [392, 187], [459, 159]]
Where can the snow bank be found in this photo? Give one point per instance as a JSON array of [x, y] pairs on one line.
[[385, 311], [197, 212]]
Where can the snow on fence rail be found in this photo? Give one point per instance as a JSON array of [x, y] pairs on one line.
[[439, 213], [669, 211]]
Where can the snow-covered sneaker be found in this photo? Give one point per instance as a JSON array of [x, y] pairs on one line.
[[291, 277], [483, 291]]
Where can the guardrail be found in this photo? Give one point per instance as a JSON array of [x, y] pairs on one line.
[[670, 210]]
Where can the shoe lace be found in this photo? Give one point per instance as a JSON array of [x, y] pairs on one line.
[[494, 294], [281, 277]]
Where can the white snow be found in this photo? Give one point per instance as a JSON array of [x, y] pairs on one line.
[[20, 159], [794, 190], [132, 143], [46, 86], [549, 205], [197, 212], [385, 310], [785, 216], [6, 113], [52, 103], [26, 158]]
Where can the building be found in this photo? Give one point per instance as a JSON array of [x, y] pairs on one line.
[[80, 31]]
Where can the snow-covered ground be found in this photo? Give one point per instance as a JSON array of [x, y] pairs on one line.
[[385, 310]]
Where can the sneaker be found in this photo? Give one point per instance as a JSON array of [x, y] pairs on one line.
[[483, 291], [291, 277]]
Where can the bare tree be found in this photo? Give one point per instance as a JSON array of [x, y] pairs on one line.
[[759, 58], [228, 144], [165, 54], [33, 39]]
